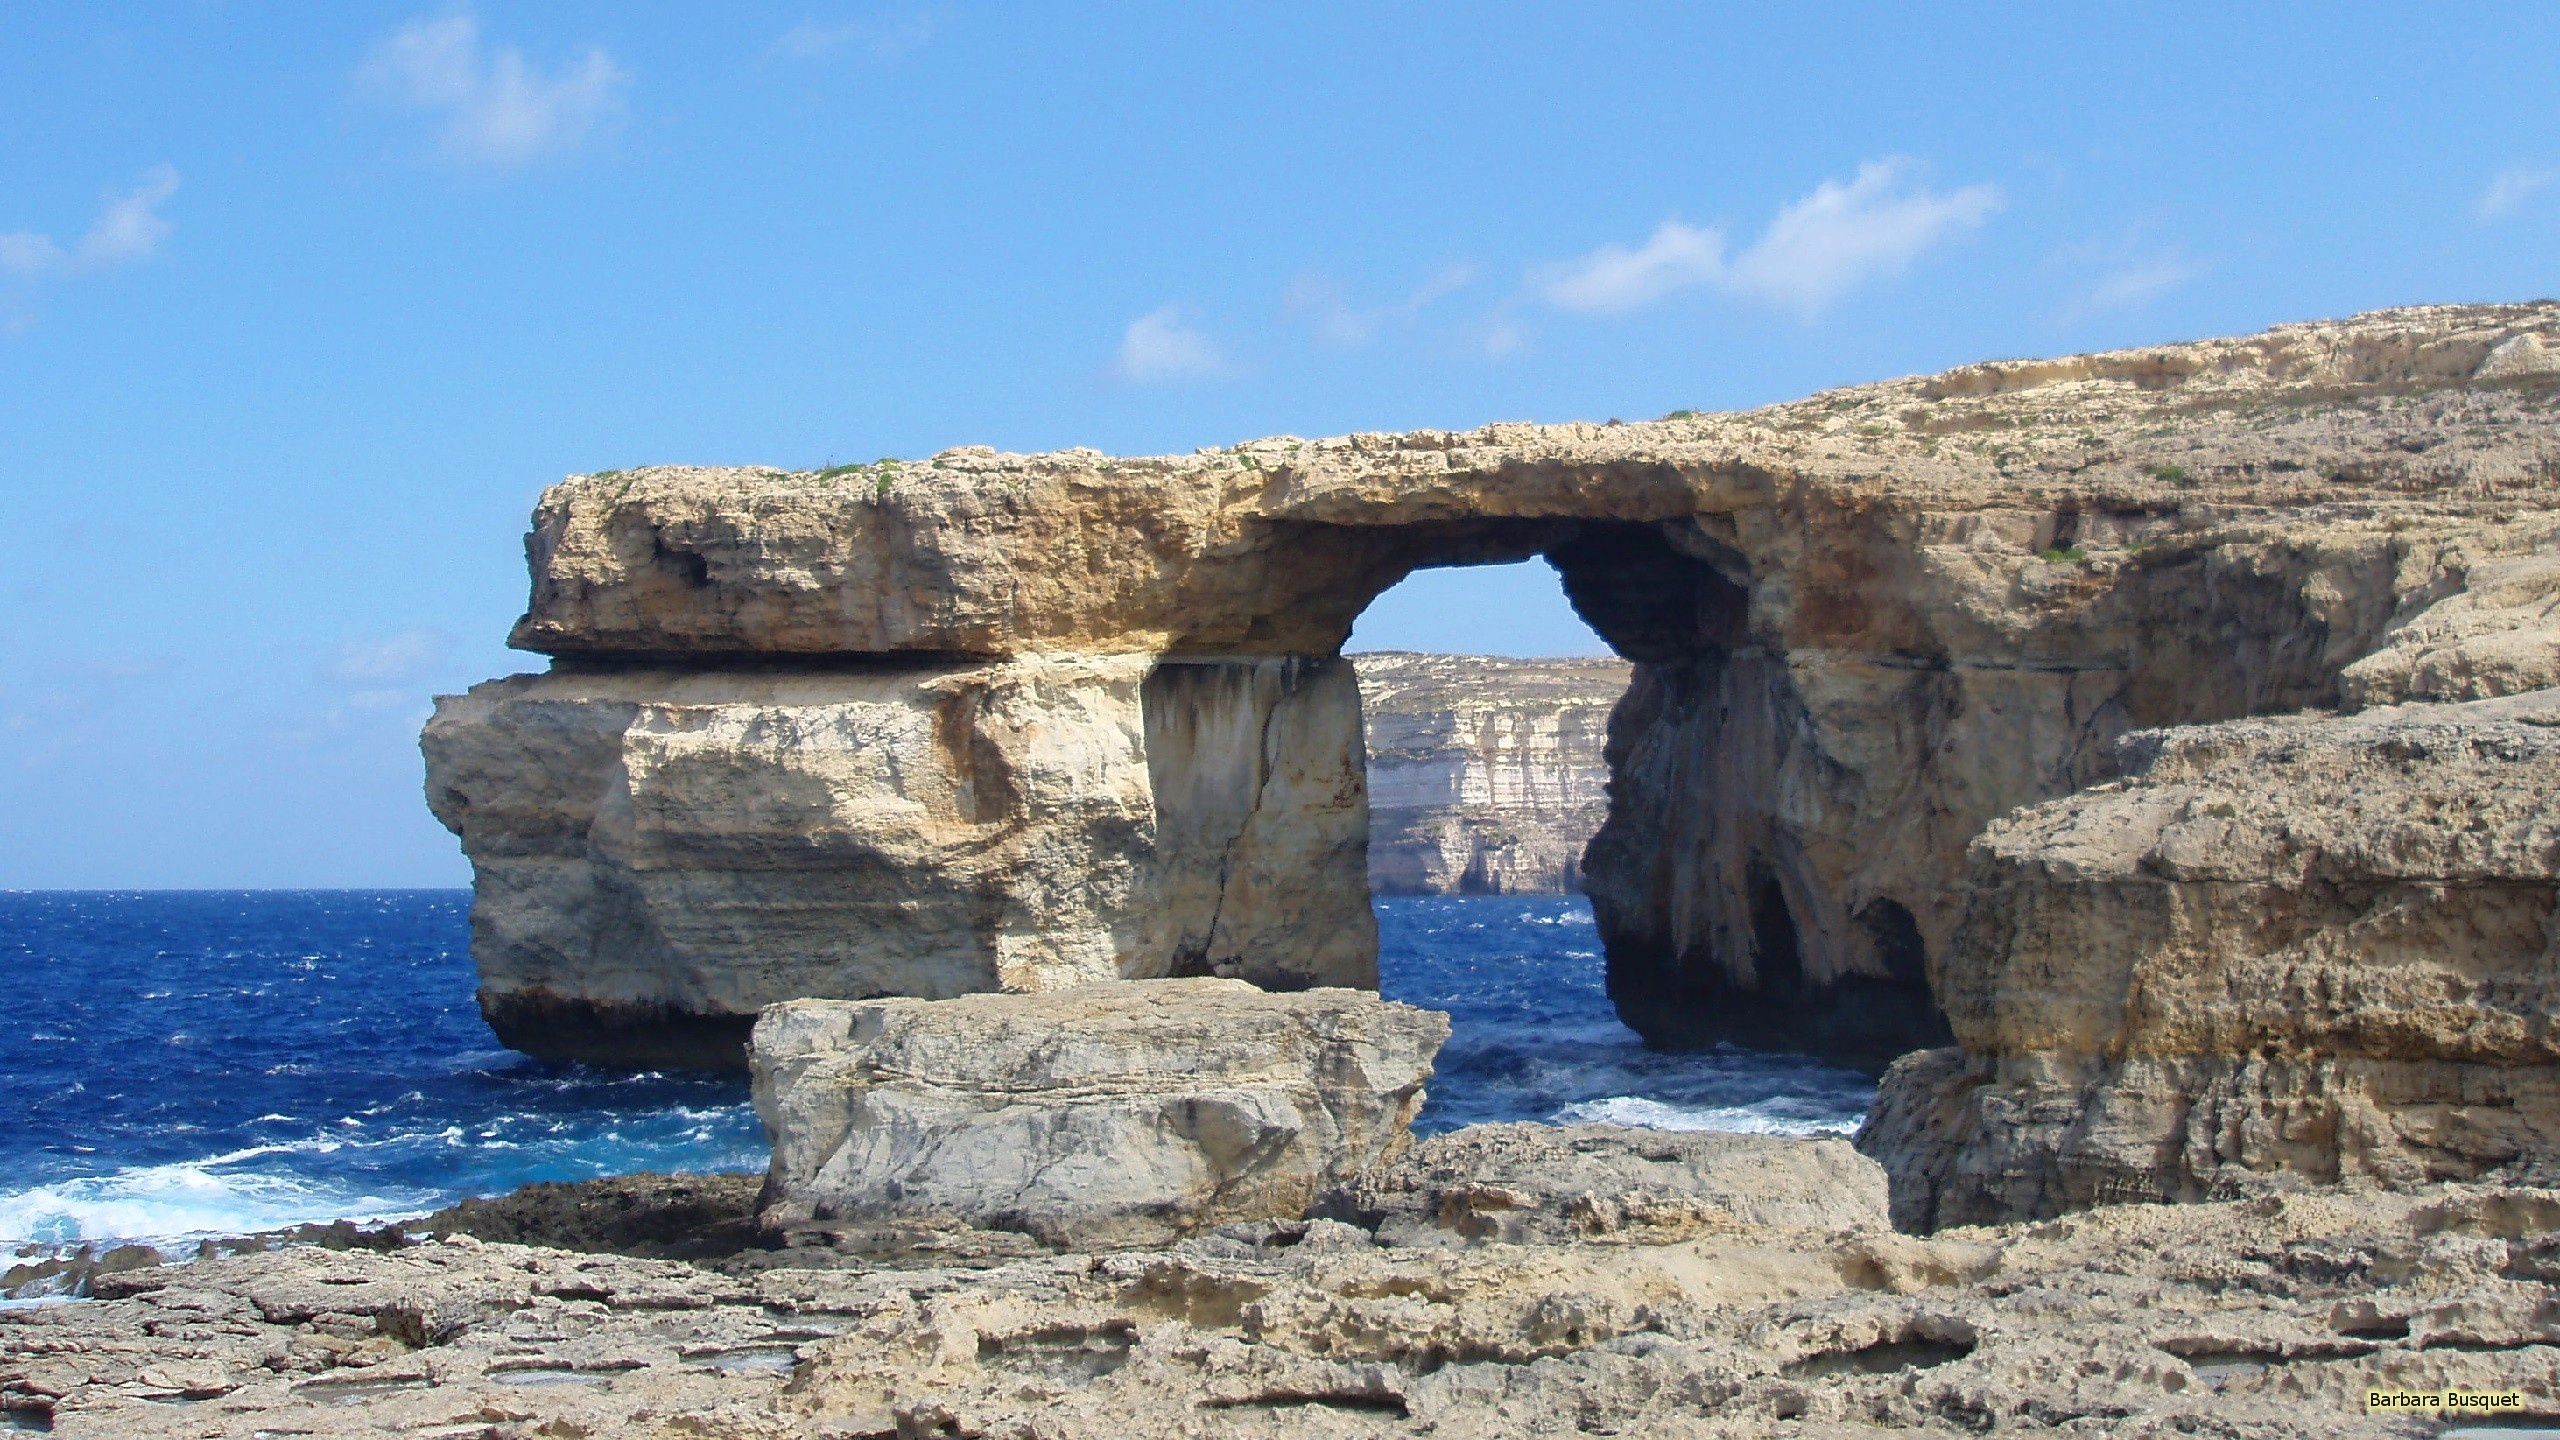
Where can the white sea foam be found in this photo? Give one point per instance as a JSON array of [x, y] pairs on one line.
[[220, 1195], [1783, 1116]]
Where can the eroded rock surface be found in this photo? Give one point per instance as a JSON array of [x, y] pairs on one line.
[[1485, 773], [1109, 1114], [2262, 1318], [1863, 625], [1523, 1182], [658, 854], [2306, 949], [2500, 635]]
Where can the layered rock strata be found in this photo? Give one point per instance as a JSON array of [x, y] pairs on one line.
[[2286, 950], [2498, 635], [1863, 625], [660, 853], [2265, 1318], [1113, 1114], [1485, 772]]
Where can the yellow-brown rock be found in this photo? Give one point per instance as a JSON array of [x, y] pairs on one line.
[[661, 853], [1864, 625], [2268, 1319], [2281, 951]]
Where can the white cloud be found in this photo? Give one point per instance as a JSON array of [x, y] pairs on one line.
[[383, 680], [2511, 187], [386, 660], [1841, 236], [24, 252], [884, 40], [1159, 348], [2123, 272], [1327, 307], [2139, 282], [1816, 250], [1614, 278], [129, 227], [499, 111]]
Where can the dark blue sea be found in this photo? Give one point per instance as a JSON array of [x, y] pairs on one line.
[[215, 1063]]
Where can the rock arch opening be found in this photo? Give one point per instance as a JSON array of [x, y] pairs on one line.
[[1723, 920], [986, 721]]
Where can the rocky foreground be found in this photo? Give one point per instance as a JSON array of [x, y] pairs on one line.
[[1750, 1287], [1193, 1207]]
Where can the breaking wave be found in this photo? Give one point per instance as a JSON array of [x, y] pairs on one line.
[[1534, 1037], [220, 1063], [220, 1195], [1782, 1115]]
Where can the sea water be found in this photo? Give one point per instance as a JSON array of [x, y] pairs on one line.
[[217, 1063]]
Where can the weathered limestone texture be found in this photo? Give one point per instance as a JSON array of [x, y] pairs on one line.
[[1110, 1114], [654, 846], [1530, 1183], [2500, 635], [1485, 773], [1863, 624], [2300, 949], [661, 853], [2259, 1318], [1262, 823]]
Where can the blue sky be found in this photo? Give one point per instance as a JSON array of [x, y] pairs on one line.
[[300, 307]]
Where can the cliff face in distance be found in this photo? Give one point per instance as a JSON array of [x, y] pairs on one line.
[[1485, 772]]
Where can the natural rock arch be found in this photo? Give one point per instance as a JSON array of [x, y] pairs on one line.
[[1021, 721]]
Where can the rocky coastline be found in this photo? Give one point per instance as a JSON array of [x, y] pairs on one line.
[[987, 721], [1577, 1280], [2147, 761]]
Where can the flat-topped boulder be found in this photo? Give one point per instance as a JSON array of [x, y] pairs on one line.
[[2281, 951], [1111, 1114]]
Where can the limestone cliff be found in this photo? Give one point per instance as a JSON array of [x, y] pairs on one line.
[[1864, 625], [1485, 772], [660, 853], [2276, 950]]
